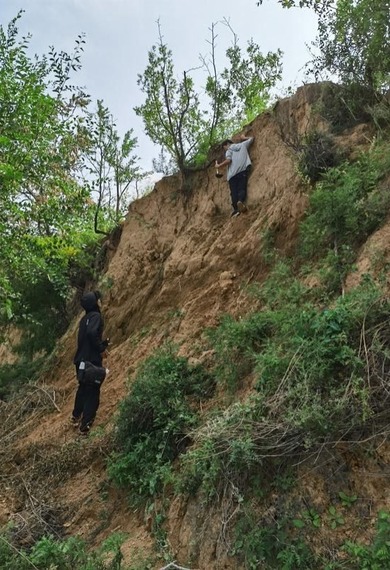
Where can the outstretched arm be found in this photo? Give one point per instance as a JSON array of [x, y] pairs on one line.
[[226, 162], [247, 140]]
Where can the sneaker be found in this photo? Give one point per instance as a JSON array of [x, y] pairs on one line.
[[241, 207], [74, 421], [235, 214], [84, 429]]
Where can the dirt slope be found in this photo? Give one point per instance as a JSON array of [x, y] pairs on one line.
[[180, 264]]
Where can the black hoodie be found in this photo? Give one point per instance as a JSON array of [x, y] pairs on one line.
[[90, 345]]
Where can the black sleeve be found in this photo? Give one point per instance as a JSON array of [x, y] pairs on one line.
[[94, 332]]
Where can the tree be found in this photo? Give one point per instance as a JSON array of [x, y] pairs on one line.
[[353, 41], [112, 166], [45, 220], [185, 123]]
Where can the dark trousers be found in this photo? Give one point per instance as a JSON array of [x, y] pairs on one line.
[[238, 185], [86, 404]]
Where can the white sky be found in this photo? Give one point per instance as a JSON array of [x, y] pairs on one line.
[[119, 34]]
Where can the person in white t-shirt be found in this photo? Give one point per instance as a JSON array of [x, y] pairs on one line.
[[238, 161]]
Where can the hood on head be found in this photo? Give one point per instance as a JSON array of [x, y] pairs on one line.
[[89, 301]]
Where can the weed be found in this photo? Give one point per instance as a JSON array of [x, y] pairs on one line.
[[313, 517], [62, 555], [375, 555], [335, 518], [347, 500]]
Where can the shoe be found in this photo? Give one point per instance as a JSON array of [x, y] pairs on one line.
[[84, 430], [241, 207], [74, 421], [235, 214]]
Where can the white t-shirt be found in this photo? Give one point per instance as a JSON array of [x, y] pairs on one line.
[[240, 160]]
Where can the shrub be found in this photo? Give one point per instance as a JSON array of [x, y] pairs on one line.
[[234, 343], [260, 544], [347, 206], [344, 106], [317, 153], [311, 380], [155, 419], [224, 452]]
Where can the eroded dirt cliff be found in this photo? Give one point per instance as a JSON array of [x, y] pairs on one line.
[[180, 264]]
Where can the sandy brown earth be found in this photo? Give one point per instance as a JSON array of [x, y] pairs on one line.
[[181, 263]]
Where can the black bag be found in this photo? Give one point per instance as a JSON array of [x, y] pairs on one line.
[[90, 374]]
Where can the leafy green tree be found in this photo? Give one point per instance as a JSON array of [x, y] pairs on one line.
[[112, 166], [353, 40], [45, 220], [354, 43], [184, 123]]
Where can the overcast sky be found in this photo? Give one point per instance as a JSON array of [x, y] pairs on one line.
[[119, 33]]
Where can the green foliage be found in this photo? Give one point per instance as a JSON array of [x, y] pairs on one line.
[[224, 453], [317, 153], [265, 545], [335, 518], [174, 113], [345, 208], [354, 43], [347, 500], [313, 517], [345, 106], [44, 215], [47, 219], [311, 381], [155, 420], [113, 168], [376, 555], [233, 343], [68, 554]]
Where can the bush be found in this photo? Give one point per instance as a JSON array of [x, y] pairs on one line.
[[224, 453], [344, 106], [234, 343], [155, 420], [317, 153], [347, 206], [263, 545]]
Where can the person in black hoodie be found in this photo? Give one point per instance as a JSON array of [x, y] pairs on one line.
[[90, 349]]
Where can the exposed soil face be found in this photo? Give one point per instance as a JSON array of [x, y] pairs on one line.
[[180, 264]]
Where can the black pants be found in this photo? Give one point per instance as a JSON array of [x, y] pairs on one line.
[[238, 185], [86, 404]]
